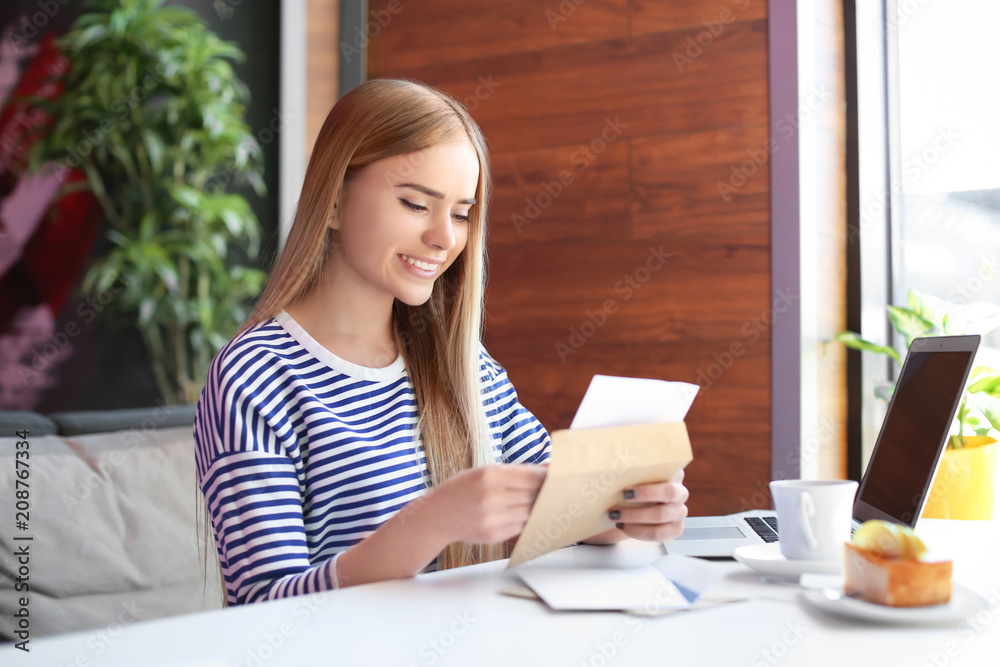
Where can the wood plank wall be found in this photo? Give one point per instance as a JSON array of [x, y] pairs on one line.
[[612, 124], [322, 60], [830, 210]]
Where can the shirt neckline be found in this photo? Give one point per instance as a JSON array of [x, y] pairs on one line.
[[357, 371]]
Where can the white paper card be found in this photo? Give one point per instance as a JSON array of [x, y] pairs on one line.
[[620, 401], [670, 582]]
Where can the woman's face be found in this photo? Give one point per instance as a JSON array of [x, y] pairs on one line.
[[404, 220]]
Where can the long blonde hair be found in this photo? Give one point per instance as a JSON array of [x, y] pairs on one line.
[[440, 339]]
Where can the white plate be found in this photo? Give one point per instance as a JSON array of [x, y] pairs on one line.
[[963, 604], [767, 559]]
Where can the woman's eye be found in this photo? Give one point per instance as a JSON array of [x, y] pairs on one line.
[[464, 217], [413, 207]]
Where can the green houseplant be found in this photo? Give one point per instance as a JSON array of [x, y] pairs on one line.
[[979, 411], [964, 487], [152, 113]]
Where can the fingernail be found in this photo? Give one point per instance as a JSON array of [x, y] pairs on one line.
[[620, 526], [614, 514], [629, 494]]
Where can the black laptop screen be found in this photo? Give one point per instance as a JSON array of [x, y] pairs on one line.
[[919, 418]]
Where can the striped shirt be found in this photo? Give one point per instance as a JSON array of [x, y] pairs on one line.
[[302, 454]]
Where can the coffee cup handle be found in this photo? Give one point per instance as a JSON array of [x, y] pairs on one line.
[[806, 511]]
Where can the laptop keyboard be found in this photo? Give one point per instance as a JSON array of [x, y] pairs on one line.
[[765, 526]]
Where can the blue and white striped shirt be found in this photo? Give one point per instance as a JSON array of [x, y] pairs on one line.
[[302, 454]]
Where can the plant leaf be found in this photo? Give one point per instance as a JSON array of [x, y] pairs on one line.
[[986, 383], [909, 323], [919, 305], [856, 342], [991, 410]]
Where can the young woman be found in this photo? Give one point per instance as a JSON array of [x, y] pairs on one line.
[[352, 432]]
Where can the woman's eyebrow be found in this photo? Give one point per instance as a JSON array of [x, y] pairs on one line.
[[433, 193]]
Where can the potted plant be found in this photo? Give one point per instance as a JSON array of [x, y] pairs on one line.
[[965, 481], [153, 115]]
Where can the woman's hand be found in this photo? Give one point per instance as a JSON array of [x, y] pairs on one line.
[[662, 517], [480, 506], [486, 505]]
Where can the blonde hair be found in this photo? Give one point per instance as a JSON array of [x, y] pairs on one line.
[[440, 339]]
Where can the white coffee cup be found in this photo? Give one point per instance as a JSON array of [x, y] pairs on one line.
[[814, 517]]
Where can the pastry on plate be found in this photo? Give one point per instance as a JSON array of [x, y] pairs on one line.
[[885, 563]]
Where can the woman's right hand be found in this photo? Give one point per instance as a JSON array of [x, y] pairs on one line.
[[487, 505], [480, 506]]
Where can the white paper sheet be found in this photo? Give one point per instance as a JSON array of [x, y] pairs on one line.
[[621, 401], [670, 582]]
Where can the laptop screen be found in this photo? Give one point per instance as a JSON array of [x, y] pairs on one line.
[[915, 429]]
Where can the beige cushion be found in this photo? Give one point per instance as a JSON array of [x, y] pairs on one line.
[[113, 517]]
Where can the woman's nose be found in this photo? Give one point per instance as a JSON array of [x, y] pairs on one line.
[[441, 232]]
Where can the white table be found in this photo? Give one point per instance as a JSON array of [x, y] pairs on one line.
[[459, 618]]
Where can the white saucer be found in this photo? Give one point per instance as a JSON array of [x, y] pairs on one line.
[[964, 603], [767, 559]]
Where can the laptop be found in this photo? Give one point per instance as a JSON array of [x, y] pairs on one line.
[[903, 463]]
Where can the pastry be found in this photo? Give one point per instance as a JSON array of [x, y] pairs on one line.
[[885, 563]]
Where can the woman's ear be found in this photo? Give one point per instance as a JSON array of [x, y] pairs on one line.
[[334, 221]]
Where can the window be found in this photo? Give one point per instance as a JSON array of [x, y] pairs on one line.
[[923, 177], [944, 101]]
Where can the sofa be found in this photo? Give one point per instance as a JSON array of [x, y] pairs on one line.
[[115, 519]]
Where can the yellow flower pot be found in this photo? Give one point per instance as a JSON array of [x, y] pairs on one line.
[[964, 485]]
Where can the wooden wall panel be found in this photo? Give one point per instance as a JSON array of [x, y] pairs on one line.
[[709, 184], [543, 291], [431, 33], [638, 267], [322, 64], [725, 421], [554, 397], [624, 88], [715, 16], [558, 194]]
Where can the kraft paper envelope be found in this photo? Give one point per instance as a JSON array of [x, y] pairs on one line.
[[587, 473]]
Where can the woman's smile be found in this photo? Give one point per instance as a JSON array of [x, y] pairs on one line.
[[420, 267]]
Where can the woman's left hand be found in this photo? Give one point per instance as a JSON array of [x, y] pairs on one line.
[[661, 514]]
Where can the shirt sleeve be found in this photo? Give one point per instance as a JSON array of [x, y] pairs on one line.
[[251, 480], [523, 438]]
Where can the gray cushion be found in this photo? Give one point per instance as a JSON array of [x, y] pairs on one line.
[[115, 522], [105, 421], [17, 420]]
